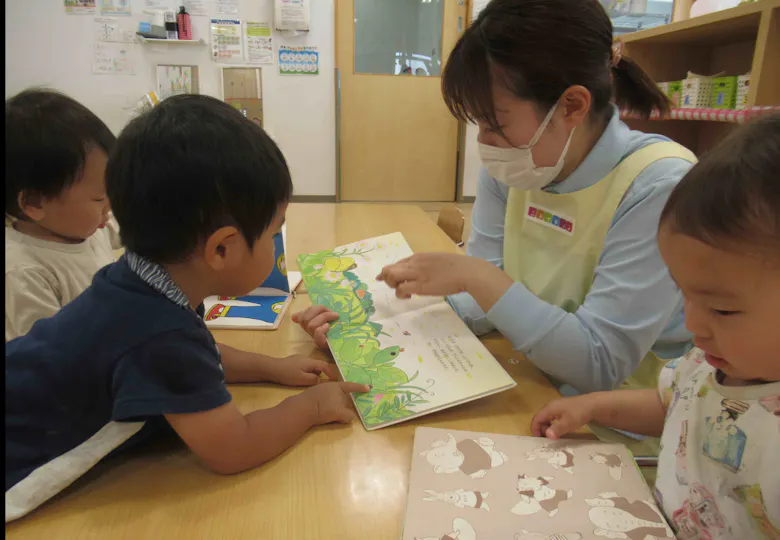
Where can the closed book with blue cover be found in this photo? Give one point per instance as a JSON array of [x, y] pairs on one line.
[[261, 309]]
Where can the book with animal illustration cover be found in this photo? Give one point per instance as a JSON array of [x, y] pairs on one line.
[[417, 354], [479, 486], [261, 309]]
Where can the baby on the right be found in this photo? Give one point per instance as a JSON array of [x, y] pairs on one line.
[[717, 409]]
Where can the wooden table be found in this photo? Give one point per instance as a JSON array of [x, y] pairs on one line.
[[338, 482]]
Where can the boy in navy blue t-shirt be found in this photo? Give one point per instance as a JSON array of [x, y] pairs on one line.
[[198, 191]]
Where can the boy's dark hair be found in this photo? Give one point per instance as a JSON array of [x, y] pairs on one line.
[[47, 138], [539, 48], [186, 168], [732, 196]]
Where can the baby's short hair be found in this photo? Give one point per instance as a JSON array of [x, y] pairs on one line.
[[731, 198], [47, 138]]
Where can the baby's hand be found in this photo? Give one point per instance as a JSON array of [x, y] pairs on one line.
[[314, 321], [299, 370], [332, 402], [562, 416]]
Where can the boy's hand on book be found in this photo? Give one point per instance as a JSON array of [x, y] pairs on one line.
[[299, 370], [316, 320], [332, 403], [562, 416]]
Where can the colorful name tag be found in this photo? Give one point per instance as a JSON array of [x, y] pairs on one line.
[[546, 217]]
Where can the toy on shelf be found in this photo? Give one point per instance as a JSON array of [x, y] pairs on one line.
[[724, 93], [697, 91], [743, 89]]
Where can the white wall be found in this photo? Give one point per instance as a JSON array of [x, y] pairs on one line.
[[45, 46], [471, 161]]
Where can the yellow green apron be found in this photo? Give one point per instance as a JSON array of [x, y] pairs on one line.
[[553, 243]]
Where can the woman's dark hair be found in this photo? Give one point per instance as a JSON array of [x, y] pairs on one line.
[[186, 168], [732, 196], [47, 138], [539, 48]]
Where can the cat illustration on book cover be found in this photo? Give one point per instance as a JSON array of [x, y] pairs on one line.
[[558, 458], [536, 495], [472, 457], [460, 498], [612, 461], [616, 517], [461, 530]]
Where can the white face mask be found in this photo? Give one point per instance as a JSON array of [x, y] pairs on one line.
[[515, 167]]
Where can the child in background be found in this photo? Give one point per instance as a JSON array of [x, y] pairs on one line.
[[198, 191], [58, 232], [719, 406]]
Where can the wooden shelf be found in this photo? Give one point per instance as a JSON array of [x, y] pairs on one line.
[[719, 28], [745, 39], [145, 40], [711, 115]]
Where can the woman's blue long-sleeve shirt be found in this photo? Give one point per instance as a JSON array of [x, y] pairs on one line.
[[633, 305]]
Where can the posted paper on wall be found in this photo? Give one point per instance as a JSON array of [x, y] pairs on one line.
[[109, 30], [115, 7], [226, 40], [195, 7], [79, 7], [158, 5], [292, 14], [175, 79], [228, 7], [259, 44], [113, 59], [299, 60]]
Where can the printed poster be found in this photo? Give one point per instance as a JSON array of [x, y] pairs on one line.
[[79, 7], [113, 59], [259, 45], [299, 60], [115, 7], [226, 40]]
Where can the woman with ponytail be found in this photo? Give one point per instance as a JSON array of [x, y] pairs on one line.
[[562, 258]]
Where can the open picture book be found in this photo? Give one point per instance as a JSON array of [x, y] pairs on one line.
[[263, 308], [478, 486], [417, 354]]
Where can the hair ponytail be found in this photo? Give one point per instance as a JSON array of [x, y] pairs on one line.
[[635, 91], [538, 49]]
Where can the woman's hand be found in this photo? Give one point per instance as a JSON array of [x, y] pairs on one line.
[[316, 320], [430, 274]]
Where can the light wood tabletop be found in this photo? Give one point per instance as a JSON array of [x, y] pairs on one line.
[[338, 482]]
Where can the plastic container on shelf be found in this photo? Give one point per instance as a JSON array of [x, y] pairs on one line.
[[743, 88], [675, 92], [724, 93], [696, 92]]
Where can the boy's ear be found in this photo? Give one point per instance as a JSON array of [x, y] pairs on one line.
[[223, 249], [31, 205]]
